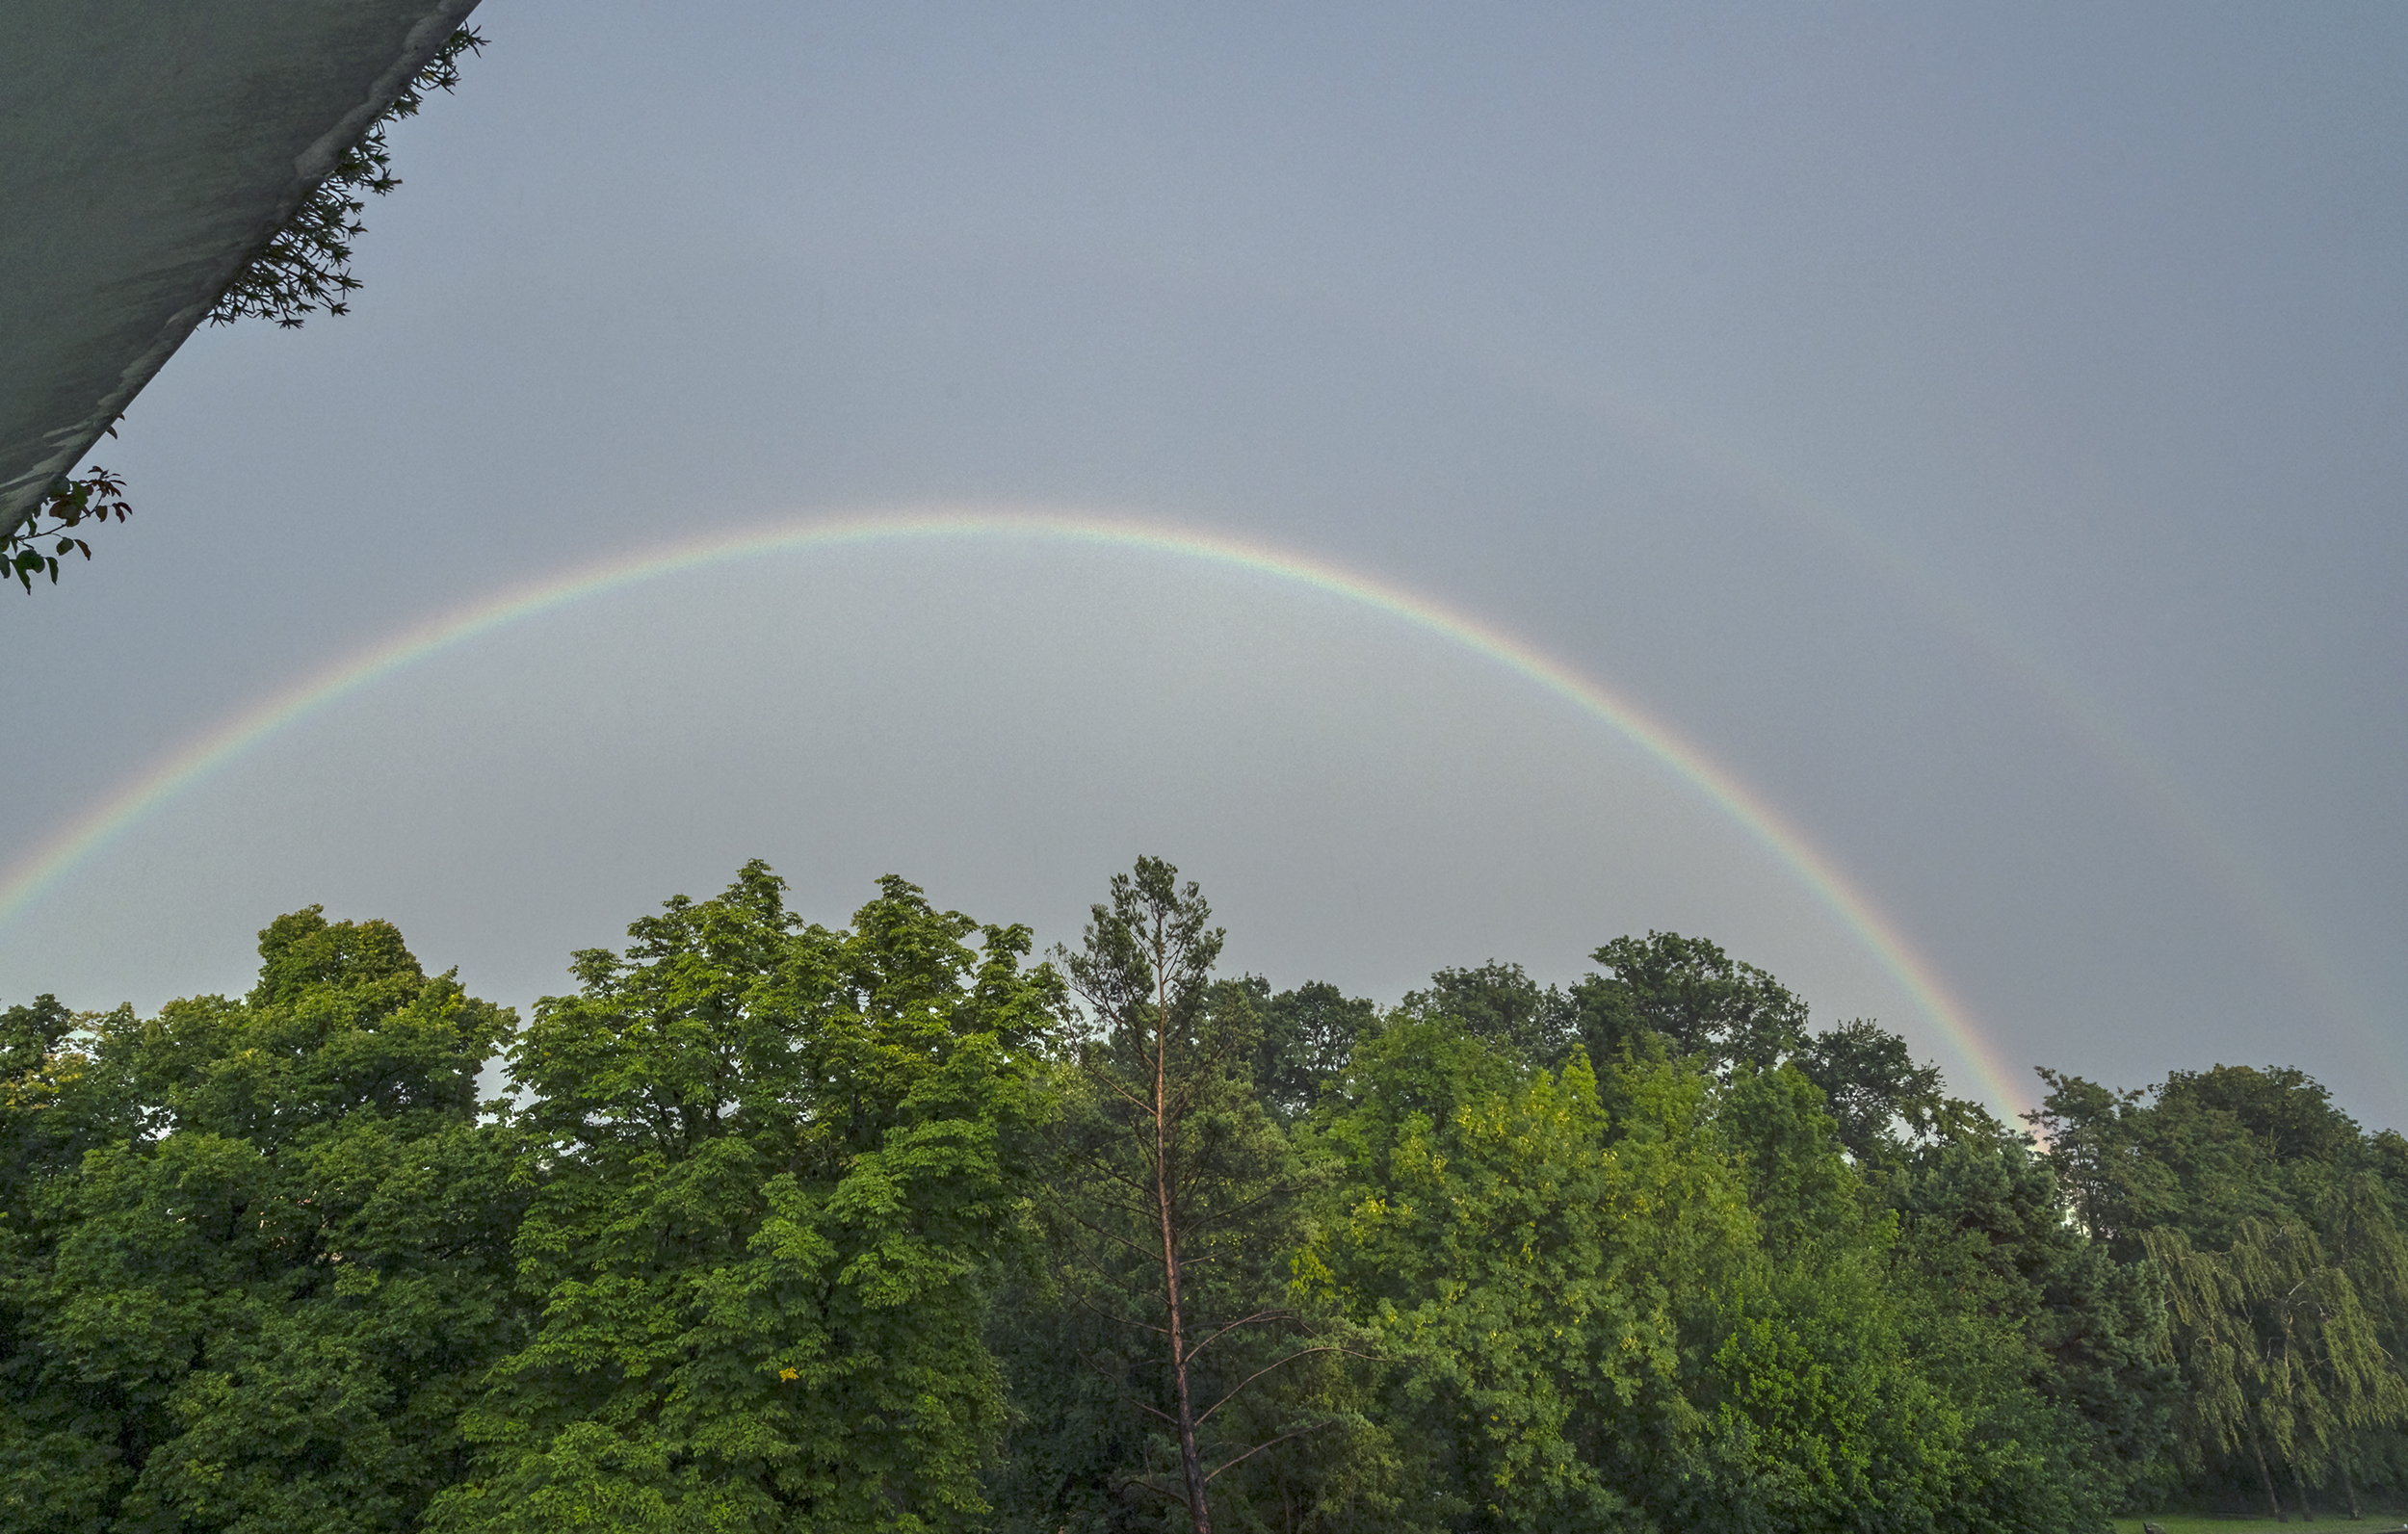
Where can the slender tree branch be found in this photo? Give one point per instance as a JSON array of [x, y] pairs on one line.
[[1242, 1321], [1267, 1443], [1117, 1320], [1143, 1485], [1258, 1374]]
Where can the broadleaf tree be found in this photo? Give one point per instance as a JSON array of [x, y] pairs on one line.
[[260, 1296], [773, 1166]]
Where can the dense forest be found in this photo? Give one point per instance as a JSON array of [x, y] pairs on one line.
[[896, 1227]]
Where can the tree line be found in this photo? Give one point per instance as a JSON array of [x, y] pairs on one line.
[[891, 1227]]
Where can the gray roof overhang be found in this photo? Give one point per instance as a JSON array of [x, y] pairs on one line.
[[147, 149]]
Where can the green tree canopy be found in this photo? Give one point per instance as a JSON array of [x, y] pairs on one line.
[[773, 1168], [2285, 1248], [259, 1301], [1177, 1207], [1499, 1003], [1689, 997]]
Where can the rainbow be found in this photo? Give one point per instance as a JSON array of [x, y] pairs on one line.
[[2190, 828], [2187, 826], [105, 821]]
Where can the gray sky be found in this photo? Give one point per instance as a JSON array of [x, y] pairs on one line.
[[1978, 429]]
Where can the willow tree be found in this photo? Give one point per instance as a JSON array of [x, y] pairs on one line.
[[2280, 1339], [2370, 1293]]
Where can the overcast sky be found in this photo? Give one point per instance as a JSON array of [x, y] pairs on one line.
[[1978, 429]]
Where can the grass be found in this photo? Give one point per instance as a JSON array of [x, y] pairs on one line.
[[2201, 1524]]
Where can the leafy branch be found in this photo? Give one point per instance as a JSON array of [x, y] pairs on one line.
[[69, 504]]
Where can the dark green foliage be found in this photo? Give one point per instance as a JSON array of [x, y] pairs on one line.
[[771, 1169], [789, 1228], [260, 1298], [1773, 1124], [2216, 1148], [1687, 997], [1691, 1318], [54, 1102], [2057, 1348], [1304, 1040], [2283, 1242], [1176, 1208], [1873, 1089], [1500, 1003]]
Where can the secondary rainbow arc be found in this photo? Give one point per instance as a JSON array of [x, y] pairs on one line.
[[109, 818]]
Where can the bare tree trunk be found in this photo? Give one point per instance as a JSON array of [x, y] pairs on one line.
[[2349, 1490], [2299, 1483], [2265, 1477], [1191, 1462]]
